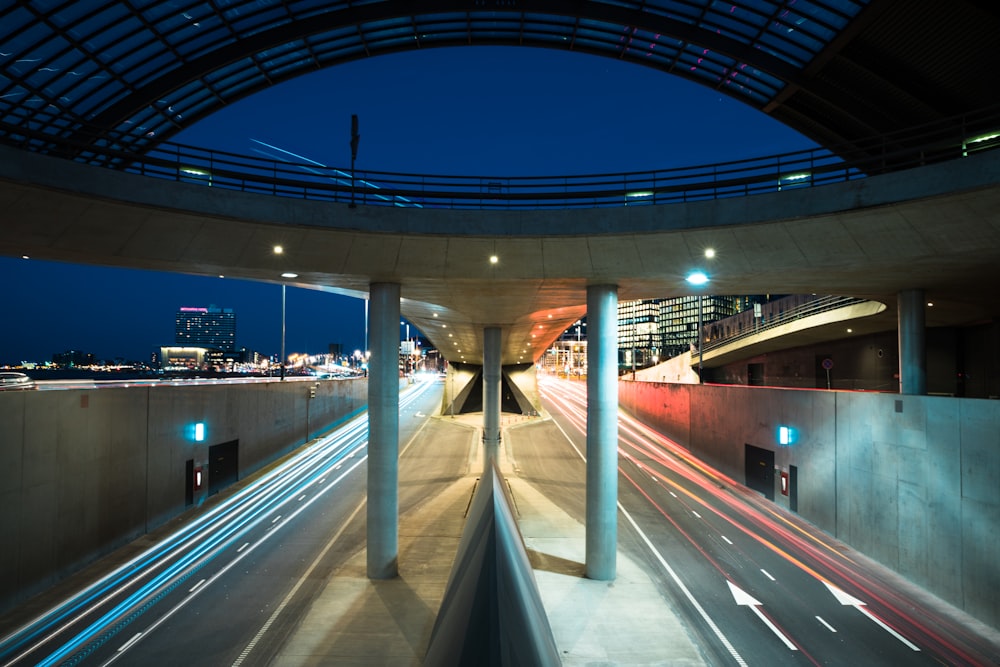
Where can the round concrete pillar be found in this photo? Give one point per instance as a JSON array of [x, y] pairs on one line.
[[383, 432], [491, 392], [602, 432]]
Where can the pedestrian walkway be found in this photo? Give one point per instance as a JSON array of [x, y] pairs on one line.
[[358, 621]]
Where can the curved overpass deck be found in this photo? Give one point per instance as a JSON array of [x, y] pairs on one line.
[[935, 227]]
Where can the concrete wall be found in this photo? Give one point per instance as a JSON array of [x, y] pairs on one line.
[[911, 481], [86, 471]]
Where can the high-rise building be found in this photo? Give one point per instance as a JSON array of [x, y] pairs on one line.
[[652, 330], [211, 327]]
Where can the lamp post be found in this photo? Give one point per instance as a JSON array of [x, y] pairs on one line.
[[281, 360], [701, 341], [699, 278]]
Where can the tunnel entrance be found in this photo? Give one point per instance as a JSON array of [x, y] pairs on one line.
[[223, 465], [469, 399]]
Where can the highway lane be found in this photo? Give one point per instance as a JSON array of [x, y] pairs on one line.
[[757, 584], [227, 585]]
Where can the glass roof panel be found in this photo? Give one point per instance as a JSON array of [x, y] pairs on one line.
[[52, 50], [728, 25], [250, 24], [29, 48], [151, 63]]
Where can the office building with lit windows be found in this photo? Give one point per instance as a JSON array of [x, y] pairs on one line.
[[210, 327], [651, 330]]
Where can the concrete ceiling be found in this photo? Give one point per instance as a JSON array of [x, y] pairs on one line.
[[936, 228]]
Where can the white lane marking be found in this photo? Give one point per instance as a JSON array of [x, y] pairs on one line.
[[126, 645], [195, 587], [329, 545], [767, 574], [670, 571], [696, 514], [673, 494], [236, 561], [276, 519], [321, 480], [828, 626], [684, 589], [302, 497], [298, 584], [851, 601], [728, 541], [744, 599], [245, 545]]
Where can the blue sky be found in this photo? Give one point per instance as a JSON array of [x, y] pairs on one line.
[[487, 111]]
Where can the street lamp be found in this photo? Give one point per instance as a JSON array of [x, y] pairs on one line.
[[698, 278], [282, 359]]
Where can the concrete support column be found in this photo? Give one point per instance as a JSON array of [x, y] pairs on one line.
[[602, 432], [912, 342], [383, 433], [491, 392]]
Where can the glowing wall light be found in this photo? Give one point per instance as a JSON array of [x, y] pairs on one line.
[[787, 435], [199, 432]]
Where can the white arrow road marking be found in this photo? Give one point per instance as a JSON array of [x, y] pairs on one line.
[[851, 601], [745, 599]]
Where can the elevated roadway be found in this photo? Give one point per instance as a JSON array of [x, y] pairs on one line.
[[935, 228]]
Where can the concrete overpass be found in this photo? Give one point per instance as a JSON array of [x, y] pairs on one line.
[[934, 228], [486, 293]]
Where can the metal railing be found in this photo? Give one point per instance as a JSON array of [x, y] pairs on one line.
[[815, 306], [949, 139]]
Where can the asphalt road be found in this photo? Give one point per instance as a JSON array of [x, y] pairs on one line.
[[757, 584], [228, 584]]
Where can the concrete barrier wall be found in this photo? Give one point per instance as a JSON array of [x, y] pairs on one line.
[[911, 481], [86, 471]]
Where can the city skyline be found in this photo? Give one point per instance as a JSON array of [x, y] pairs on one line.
[[498, 111]]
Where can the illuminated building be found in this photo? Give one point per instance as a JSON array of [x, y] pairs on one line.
[[211, 327]]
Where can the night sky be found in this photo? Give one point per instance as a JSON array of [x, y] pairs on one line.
[[486, 111]]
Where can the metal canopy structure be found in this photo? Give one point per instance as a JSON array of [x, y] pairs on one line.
[[109, 82], [834, 70]]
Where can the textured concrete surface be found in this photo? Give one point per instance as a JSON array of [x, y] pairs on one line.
[[357, 621], [910, 481]]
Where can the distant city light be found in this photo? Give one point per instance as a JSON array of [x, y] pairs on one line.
[[289, 274], [697, 278]]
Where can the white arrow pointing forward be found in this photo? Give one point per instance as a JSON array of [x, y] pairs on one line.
[[746, 600], [851, 601]]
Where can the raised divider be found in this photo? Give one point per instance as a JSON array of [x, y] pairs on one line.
[[492, 612]]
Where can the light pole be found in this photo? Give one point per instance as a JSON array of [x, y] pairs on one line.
[[699, 278], [701, 338], [282, 360]]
